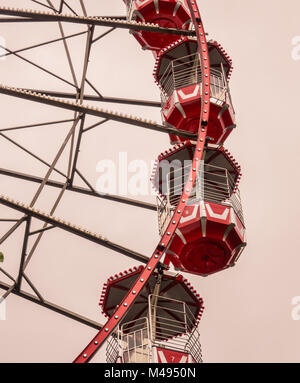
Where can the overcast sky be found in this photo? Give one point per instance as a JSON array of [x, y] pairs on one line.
[[248, 315]]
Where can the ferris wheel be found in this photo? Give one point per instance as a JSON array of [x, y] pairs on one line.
[[153, 311]]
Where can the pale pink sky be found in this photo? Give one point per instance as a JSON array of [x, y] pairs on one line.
[[248, 308]]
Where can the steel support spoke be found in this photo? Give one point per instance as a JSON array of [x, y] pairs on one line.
[[126, 101], [51, 168], [103, 35], [89, 39], [44, 228], [77, 149], [53, 307], [96, 238], [12, 230], [85, 180], [8, 275], [94, 125], [83, 7], [25, 19], [37, 125], [79, 96], [66, 48], [8, 220], [38, 66], [33, 287], [41, 230], [61, 6], [90, 97], [42, 185], [79, 189], [95, 112], [31, 154], [24, 252], [97, 21], [68, 6], [43, 5], [70, 136], [9, 290], [43, 44], [17, 20], [94, 88]]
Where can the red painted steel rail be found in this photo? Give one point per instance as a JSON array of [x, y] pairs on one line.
[[96, 343]]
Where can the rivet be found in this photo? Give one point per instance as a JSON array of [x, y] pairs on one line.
[[142, 279], [194, 169], [199, 150], [125, 304], [155, 256], [183, 200], [116, 317], [106, 330], [149, 268], [84, 355], [174, 222], [134, 292], [168, 233], [187, 190], [178, 211], [96, 342]]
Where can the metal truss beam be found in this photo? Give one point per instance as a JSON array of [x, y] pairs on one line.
[[89, 97], [38, 66], [93, 237], [52, 306], [16, 20], [136, 121], [97, 21], [23, 19], [37, 125], [24, 253], [44, 43], [79, 189], [76, 152], [12, 230]]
